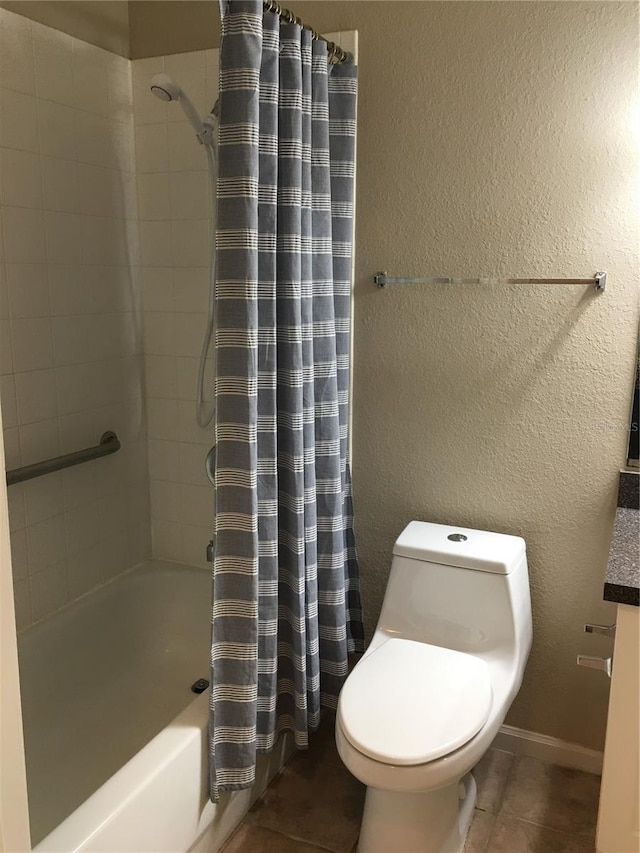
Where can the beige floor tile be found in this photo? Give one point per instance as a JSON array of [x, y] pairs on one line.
[[479, 832], [491, 775], [257, 839], [315, 799], [553, 796], [517, 836]]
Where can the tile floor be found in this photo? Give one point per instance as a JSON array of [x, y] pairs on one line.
[[523, 806]]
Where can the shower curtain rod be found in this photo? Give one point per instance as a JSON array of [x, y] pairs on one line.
[[336, 53]]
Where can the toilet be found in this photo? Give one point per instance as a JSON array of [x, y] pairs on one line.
[[429, 695]]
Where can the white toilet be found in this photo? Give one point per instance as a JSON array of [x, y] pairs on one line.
[[430, 693]]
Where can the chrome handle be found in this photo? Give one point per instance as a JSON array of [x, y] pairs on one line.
[[603, 664], [605, 630]]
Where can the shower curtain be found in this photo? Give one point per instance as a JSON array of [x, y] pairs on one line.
[[286, 600]]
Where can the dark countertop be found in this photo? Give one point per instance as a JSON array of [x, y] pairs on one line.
[[622, 580]]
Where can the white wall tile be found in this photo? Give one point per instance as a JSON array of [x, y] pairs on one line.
[[23, 234], [192, 466], [57, 130], [78, 430], [156, 244], [82, 527], [69, 290], [99, 193], [39, 440], [4, 293], [12, 456], [20, 180], [164, 460], [191, 242], [159, 333], [19, 558], [36, 396], [32, 344], [6, 348], [74, 386], [192, 288], [64, 237], [196, 505], [60, 185], [28, 288], [80, 484], [103, 331], [54, 78], [189, 431], [90, 83], [160, 376], [18, 122], [42, 498], [167, 540], [48, 591], [147, 108], [15, 501], [8, 401], [162, 419], [22, 602], [189, 331], [94, 143], [120, 94], [71, 344], [186, 374], [84, 571], [157, 288], [17, 70], [152, 151], [153, 196], [185, 152], [189, 193], [165, 500], [194, 545], [46, 543]]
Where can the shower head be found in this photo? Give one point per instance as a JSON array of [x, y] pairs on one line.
[[164, 88]]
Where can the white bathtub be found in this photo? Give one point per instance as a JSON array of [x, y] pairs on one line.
[[116, 742]]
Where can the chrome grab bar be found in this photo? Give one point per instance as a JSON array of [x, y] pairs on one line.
[[109, 443]]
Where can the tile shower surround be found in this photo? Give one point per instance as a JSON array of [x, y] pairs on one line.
[[104, 264], [71, 359], [175, 244]]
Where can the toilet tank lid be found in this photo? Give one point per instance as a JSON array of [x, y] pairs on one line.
[[468, 549]]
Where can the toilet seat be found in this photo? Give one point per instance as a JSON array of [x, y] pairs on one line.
[[409, 703]]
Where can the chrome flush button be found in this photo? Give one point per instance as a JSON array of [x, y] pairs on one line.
[[457, 537]]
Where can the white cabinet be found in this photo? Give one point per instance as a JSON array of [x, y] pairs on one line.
[[619, 813]]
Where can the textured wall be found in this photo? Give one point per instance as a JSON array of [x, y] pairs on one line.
[[160, 27], [104, 23], [495, 138]]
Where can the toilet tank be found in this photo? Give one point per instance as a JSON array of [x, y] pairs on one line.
[[459, 588]]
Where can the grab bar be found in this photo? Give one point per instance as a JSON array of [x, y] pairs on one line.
[[109, 443]]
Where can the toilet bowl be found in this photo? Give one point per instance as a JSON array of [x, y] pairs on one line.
[[429, 695]]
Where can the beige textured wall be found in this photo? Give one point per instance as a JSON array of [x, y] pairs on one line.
[[159, 27], [495, 138], [104, 23]]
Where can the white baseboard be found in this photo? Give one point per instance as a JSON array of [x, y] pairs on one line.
[[550, 749]]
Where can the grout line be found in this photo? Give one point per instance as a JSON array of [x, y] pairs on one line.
[[507, 782]]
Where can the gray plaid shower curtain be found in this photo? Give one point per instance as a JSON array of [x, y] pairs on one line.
[[286, 598]]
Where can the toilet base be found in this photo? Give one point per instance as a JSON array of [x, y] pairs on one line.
[[421, 822]]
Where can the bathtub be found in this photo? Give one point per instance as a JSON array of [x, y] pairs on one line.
[[115, 740]]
